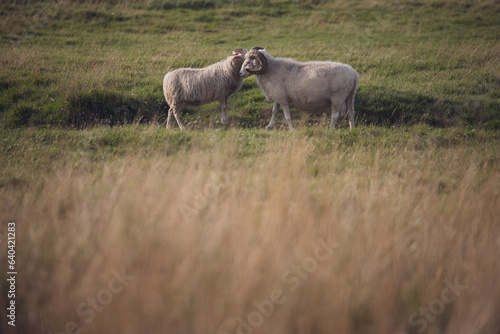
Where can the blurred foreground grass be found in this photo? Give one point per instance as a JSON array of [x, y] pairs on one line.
[[137, 228]]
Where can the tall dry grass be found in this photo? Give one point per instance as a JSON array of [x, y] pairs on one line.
[[348, 241]]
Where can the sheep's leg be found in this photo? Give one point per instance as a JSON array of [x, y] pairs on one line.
[[343, 110], [176, 110], [350, 105], [169, 118], [335, 116], [276, 106], [223, 107], [350, 112], [351, 118], [286, 111]]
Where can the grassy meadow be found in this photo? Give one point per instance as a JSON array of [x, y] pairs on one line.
[[79, 65], [123, 226]]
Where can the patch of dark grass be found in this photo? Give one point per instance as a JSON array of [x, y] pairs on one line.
[[4, 84], [193, 4], [109, 108], [383, 106], [19, 115], [493, 125]]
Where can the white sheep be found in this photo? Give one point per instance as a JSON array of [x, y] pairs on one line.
[[201, 86], [310, 85]]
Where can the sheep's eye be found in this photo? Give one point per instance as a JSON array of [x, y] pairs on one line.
[[255, 62]]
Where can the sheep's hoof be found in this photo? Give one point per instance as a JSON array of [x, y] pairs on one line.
[[269, 127]]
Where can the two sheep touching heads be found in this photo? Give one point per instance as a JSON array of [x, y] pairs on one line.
[[311, 85]]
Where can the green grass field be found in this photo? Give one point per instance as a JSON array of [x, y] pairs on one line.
[[123, 226], [78, 65]]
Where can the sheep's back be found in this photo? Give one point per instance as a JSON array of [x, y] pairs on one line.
[[200, 86], [309, 85]]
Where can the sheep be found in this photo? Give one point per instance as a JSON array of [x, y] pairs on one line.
[[309, 85], [201, 86]]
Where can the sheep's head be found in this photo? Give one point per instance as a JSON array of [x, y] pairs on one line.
[[255, 63], [238, 57]]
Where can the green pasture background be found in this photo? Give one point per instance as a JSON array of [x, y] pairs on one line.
[[102, 62]]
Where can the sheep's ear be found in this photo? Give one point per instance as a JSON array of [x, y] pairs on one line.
[[235, 58]]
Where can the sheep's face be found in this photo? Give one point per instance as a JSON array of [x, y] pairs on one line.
[[238, 58], [249, 67], [255, 63]]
